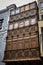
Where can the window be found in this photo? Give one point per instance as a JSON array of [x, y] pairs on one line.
[[32, 5], [26, 7], [10, 26], [21, 24], [17, 11], [41, 5], [42, 17], [33, 21], [21, 9], [12, 12], [26, 22], [15, 25], [1, 21]]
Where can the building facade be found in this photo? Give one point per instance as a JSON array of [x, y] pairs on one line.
[[4, 19], [40, 24], [22, 42]]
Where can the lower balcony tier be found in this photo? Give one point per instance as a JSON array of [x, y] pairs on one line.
[[22, 55]]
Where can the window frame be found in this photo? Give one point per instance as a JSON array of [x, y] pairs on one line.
[[1, 22]]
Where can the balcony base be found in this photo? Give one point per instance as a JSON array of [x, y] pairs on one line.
[[12, 60]]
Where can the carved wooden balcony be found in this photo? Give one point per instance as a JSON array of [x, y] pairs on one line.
[[22, 43], [23, 15], [20, 55]]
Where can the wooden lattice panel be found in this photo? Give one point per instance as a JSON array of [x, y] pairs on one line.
[[27, 43], [34, 28], [22, 54], [34, 42], [9, 46], [32, 12]]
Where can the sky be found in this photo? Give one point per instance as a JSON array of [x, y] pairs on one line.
[[5, 3]]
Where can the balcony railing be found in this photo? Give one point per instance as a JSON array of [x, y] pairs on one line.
[[23, 15], [22, 54]]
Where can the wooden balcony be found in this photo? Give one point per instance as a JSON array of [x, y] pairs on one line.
[[23, 15], [21, 55], [23, 32], [22, 43]]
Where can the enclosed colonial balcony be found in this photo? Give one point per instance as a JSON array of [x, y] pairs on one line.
[[22, 49]]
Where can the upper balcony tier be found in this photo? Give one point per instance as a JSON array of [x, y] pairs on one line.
[[24, 8]]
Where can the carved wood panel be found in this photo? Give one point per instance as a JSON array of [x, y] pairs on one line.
[[22, 54], [34, 28], [32, 12], [27, 14], [20, 44], [27, 43], [27, 29], [34, 42]]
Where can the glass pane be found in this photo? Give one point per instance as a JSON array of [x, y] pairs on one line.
[[12, 12], [26, 22], [10, 26], [41, 5], [15, 25], [17, 11], [21, 24], [33, 21]]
